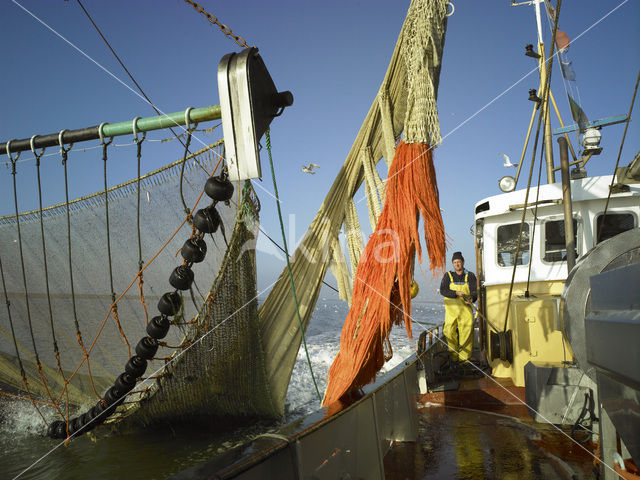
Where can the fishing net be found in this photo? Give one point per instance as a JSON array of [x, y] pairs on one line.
[[76, 309], [223, 374]]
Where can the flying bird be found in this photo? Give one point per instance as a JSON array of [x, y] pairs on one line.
[[507, 161], [310, 168]]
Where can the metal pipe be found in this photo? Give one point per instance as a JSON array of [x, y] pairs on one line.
[[555, 107], [544, 90], [548, 143], [526, 141], [569, 234], [196, 115]]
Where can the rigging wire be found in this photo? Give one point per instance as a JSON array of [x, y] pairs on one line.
[[624, 135], [24, 274], [56, 350], [284, 241], [138, 142], [184, 161], [127, 71], [535, 221], [285, 252]]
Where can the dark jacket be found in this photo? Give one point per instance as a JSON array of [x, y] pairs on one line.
[[446, 281]]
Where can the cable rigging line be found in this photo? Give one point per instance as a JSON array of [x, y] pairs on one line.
[[129, 73], [284, 241], [624, 135]]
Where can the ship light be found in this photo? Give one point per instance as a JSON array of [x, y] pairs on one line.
[[591, 141], [507, 184]]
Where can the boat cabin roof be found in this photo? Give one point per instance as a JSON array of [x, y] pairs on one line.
[[498, 221]]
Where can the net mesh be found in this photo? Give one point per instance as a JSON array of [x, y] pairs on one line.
[[221, 373], [206, 347]]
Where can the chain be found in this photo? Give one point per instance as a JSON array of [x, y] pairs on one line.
[[213, 19]]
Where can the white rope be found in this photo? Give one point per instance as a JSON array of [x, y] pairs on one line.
[[373, 203], [340, 270], [387, 125], [355, 243]]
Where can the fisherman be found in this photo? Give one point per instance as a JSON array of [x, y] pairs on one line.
[[459, 289]]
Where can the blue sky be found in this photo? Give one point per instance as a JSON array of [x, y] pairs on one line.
[[333, 57]]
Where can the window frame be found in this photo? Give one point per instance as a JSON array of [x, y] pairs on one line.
[[543, 237], [611, 212], [497, 252]]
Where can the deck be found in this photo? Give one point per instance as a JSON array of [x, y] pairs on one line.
[[483, 430]]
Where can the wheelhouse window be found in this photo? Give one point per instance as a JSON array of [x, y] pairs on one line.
[[612, 224], [555, 249], [508, 245]]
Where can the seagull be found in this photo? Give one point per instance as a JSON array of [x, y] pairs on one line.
[[507, 161], [310, 168]]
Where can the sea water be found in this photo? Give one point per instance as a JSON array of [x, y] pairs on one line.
[[26, 453]]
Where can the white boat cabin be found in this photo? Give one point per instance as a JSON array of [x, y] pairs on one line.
[[498, 221]]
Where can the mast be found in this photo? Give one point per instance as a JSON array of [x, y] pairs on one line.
[[548, 140], [542, 69]]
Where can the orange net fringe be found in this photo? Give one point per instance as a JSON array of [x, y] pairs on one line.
[[382, 286]]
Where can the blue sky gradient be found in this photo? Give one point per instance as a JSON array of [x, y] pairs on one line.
[[333, 57]]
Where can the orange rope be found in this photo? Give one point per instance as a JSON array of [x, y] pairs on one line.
[[22, 397], [33, 401], [117, 320], [142, 300], [46, 386], [84, 350], [382, 286]]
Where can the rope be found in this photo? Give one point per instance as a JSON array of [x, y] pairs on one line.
[[26, 292], [13, 333], [286, 251], [184, 161], [44, 248], [56, 351], [65, 156], [626, 126], [114, 308], [535, 221], [24, 275], [106, 206], [138, 143]]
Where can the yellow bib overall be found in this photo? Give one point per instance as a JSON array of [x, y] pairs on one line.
[[458, 321]]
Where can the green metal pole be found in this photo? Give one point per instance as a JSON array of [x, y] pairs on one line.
[[196, 115]]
